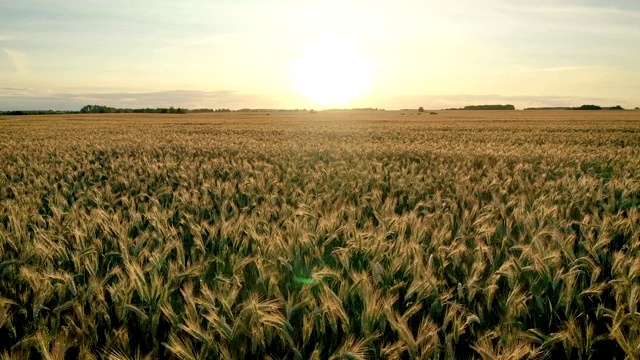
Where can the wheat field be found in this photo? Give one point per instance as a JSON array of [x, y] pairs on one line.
[[329, 235]]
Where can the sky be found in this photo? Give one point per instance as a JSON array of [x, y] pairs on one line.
[[64, 54]]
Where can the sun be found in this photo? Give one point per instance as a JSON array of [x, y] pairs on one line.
[[332, 73]]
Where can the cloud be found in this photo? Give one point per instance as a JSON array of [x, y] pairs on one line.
[[193, 99], [593, 19], [6, 37], [13, 91], [460, 100], [558, 68], [185, 44], [177, 98], [18, 59], [575, 10], [190, 99], [224, 41]]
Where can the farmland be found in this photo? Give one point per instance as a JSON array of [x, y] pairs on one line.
[[342, 235]]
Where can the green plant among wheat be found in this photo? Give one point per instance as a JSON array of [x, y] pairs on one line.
[[212, 237]]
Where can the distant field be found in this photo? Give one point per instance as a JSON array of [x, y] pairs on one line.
[[342, 235]]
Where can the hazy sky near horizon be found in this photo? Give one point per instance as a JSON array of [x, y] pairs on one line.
[[63, 54]]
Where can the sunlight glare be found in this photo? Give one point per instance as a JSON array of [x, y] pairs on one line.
[[332, 73]]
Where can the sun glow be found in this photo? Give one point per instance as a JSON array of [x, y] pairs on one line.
[[332, 73]]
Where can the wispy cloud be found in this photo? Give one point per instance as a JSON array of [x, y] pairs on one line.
[[4, 37], [18, 59], [222, 40], [599, 20], [14, 89], [16, 92], [184, 44], [520, 101], [190, 99], [577, 10], [558, 68]]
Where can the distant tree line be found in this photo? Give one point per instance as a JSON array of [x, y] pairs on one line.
[[486, 107], [596, 107], [489, 107], [354, 109], [37, 112], [271, 110], [587, 107], [208, 110], [101, 109], [582, 107]]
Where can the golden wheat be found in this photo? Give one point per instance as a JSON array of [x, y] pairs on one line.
[[334, 235]]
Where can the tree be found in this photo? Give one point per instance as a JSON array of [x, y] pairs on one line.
[[86, 109], [490, 107], [589, 107], [420, 109]]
